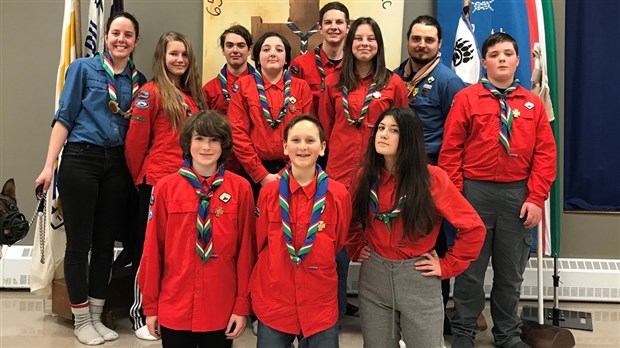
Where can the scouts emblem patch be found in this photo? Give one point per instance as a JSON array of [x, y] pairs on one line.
[[142, 104], [225, 197]]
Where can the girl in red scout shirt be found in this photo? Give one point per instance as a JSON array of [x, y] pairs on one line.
[[198, 252], [152, 145], [355, 97], [235, 42], [261, 104], [399, 203], [302, 223]]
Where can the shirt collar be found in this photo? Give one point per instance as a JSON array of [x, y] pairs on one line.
[[279, 84], [126, 72], [519, 92], [309, 190], [385, 177]]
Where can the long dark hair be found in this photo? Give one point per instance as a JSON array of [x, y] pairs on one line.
[[380, 74], [418, 212]]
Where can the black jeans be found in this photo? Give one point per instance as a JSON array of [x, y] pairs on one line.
[[94, 185], [187, 339]]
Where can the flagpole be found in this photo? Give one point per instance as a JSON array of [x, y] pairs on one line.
[[466, 6]]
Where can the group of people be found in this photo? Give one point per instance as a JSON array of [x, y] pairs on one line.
[[254, 191]]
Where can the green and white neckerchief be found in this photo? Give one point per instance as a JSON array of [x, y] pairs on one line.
[[317, 210], [374, 206], [506, 115], [204, 239], [222, 76], [258, 78], [345, 105], [319, 66], [108, 66]]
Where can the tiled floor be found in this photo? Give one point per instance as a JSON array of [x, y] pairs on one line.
[[24, 324]]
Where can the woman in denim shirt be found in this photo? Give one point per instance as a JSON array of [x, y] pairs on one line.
[[93, 180]]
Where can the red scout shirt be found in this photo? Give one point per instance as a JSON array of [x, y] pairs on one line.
[[471, 147], [216, 101], [299, 298], [253, 138], [347, 144], [152, 148], [213, 91], [176, 286], [393, 245], [304, 67]]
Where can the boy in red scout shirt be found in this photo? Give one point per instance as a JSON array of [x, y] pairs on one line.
[[302, 224], [198, 252], [325, 59], [498, 149]]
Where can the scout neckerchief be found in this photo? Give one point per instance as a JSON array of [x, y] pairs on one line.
[[303, 37], [506, 114], [204, 241], [108, 66], [345, 105], [420, 74], [319, 66], [188, 110], [374, 206], [224, 82], [258, 78], [317, 210]]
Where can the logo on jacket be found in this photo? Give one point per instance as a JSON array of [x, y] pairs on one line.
[[225, 197]]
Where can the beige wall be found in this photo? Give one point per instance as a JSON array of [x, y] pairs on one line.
[[29, 53]]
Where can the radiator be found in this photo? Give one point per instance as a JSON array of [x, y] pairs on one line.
[[15, 266], [588, 280]]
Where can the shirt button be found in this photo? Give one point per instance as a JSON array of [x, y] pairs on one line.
[[300, 227]]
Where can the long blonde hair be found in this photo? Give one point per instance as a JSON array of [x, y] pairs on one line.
[[189, 81]]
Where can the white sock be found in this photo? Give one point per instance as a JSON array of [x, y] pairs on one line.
[[84, 329], [96, 308]]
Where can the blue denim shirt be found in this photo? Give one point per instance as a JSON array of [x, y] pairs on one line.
[[433, 102], [83, 105]]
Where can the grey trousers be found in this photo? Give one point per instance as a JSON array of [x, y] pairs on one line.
[[396, 300], [499, 205]]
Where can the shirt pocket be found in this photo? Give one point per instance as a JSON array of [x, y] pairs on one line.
[[95, 82], [485, 121], [225, 226], [184, 214], [523, 134]]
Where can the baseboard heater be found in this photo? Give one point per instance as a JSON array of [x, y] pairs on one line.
[[588, 280]]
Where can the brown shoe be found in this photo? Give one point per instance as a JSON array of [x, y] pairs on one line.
[[482, 322]]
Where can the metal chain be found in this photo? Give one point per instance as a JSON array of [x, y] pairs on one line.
[[42, 218]]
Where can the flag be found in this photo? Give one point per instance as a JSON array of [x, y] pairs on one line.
[[96, 30], [540, 80], [117, 6], [49, 239], [544, 84], [466, 57], [70, 46], [486, 18]]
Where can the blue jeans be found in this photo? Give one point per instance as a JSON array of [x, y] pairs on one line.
[[270, 338], [342, 268]]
